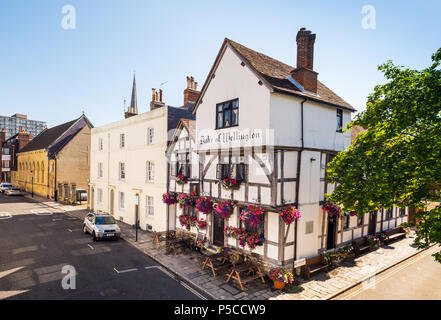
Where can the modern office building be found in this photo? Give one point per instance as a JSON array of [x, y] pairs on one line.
[[13, 124]]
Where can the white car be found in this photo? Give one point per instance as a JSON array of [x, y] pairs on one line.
[[5, 186], [101, 226], [13, 192]]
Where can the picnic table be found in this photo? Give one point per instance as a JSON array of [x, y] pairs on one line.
[[251, 271], [160, 236], [217, 262]]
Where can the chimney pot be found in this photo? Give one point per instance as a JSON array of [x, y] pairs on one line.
[[160, 95]]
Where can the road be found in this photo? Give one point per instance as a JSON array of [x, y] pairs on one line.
[[36, 243], [415, 279]]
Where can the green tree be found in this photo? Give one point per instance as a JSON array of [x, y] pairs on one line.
[[397, 160]]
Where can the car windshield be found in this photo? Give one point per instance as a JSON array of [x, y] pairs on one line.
[[16, 189], [7, 185], [104, 220]]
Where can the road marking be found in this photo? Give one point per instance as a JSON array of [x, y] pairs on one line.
[[192, 290], [383, 277], [5, 215], [69, 230], [91, 247], [153, 267], [166, 272], [42, 212], [125, 271], [57, 219]]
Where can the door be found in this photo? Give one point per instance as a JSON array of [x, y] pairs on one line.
[[332, 228], [372, 222], [112, 202], [218, 230]]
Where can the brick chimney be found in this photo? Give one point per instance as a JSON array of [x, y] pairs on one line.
[[2, 135], [304, 73], [191, 94], [24, 138], [156, 99]]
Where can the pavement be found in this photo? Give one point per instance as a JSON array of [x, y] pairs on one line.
[[39, 242], [323, 286]]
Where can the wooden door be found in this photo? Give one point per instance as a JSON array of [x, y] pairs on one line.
[[372, 223], [332, 230], [218, 230]]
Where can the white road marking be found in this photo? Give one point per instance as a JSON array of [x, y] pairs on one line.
[[125, 271], [91, 247], [5, 215], [166, 272], [69, 230], [42, 212], [192, 290]]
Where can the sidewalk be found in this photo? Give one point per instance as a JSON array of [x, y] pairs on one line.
[[323, 286]]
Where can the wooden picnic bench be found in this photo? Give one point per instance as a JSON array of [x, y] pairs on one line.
[[315, 264], [361, 245], [217, 262], [393, 234], [161, 236], [251, 270]]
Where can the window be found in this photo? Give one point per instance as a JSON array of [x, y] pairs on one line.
[[183, 165], [150, 135], [149, 207], [389, 214], [231, 171], [122, 142], [121, 200], [360, 221], [227, 114], [190, 211], [309, 227], [100, 144], [100, 195], [122, 171], [259, 229], [150, 171], [339, 120], [100, 170], [347, 221], [402, 212]]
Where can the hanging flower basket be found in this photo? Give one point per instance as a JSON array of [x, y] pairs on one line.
[[202, 224], [245, 238], [187, 221], [180, 179], [204, 205], [351, 214], [169, 198], [332, 209], [185, 200], [290, 214], [230, 184], [224, 209], [254, 214]]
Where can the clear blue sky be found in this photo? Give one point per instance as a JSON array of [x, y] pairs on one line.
[[53, 74]]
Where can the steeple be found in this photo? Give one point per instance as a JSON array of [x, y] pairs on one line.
[[133, 109]]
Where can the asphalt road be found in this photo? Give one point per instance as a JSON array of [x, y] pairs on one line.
[[36, 243], [418, 278]]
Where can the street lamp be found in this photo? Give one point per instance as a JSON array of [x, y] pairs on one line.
[[32, 178]]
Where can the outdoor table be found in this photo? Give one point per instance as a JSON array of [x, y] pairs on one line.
[[217, 262], [247, 268], [162, 236]]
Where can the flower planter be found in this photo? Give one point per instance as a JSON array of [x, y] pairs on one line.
[[279, 285]]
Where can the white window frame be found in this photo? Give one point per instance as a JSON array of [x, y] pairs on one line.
[[122, 171], [100, 144], [121, 198], [100, 196], [149, 206], [100, 170], [122, 141], [150, 171], [150, 135]]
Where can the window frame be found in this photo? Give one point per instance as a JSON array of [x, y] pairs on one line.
[[150, 171], [150, 136], [122, 165], [122, 141], [121, 204], [346, 222], [339, 120], [231, 108], [149, 209], [244, 225]]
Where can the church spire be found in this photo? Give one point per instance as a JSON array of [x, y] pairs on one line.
[[133, 109]]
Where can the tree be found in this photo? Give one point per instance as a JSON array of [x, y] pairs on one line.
[[397, 160]]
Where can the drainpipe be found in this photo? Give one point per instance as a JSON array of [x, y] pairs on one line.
[[299, 160]]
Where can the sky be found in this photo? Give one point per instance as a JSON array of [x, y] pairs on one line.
[[54, 74]]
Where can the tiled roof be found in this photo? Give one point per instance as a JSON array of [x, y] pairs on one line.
[[276, 74]]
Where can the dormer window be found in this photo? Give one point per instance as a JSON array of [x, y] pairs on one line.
[[227, 114]]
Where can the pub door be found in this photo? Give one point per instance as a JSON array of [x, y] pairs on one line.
[[372, 223], [332, 228], [218, 230]]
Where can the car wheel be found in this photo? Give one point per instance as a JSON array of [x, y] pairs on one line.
[[85, 229], [94, 236], [116, 238]]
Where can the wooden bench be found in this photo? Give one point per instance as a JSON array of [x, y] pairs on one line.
[[393, 234], [217, 262], [315, 264], [251, 270], [360, 245]]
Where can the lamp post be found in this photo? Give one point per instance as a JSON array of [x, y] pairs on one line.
[[32, 178]]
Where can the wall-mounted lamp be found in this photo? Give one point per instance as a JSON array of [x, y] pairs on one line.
[[313, 159]]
